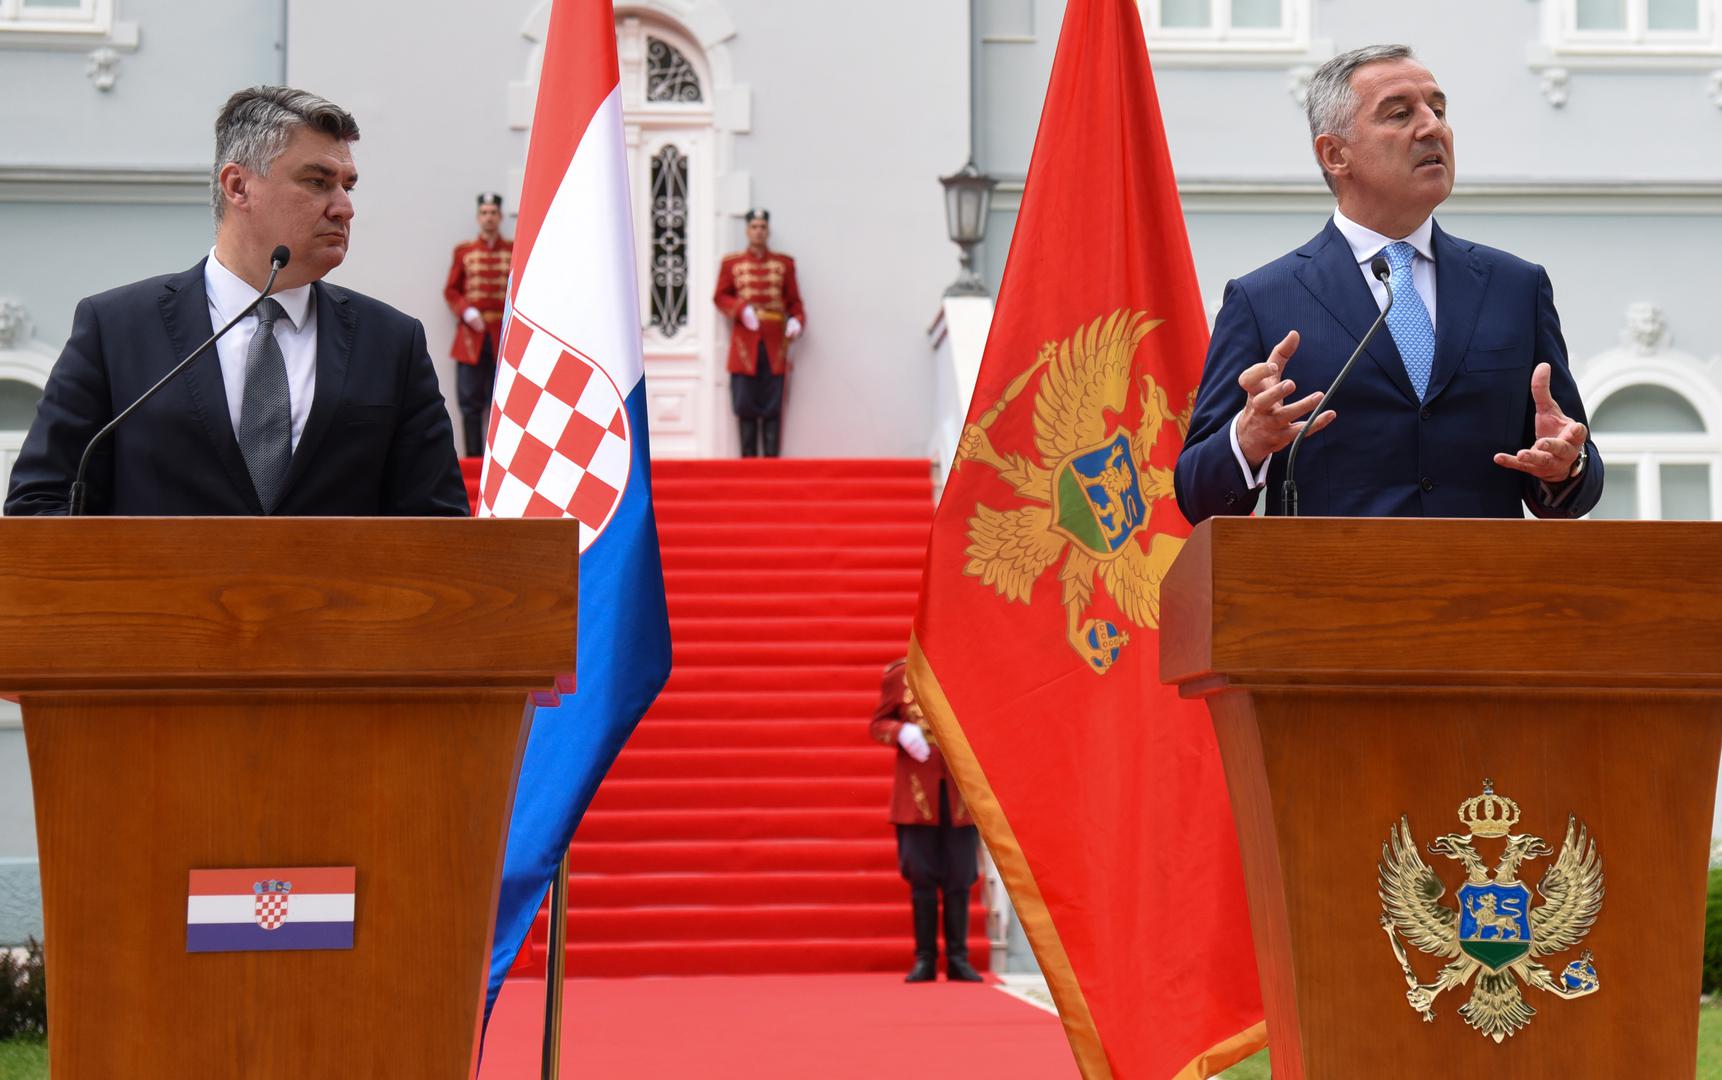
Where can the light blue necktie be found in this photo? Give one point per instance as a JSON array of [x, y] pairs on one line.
[[1409, 321]]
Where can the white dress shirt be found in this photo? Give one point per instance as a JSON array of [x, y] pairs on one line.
[[1365, 244], [296, 333]]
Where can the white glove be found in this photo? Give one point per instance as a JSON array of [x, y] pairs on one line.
[[472, 318], [911, 739], [792, 329], [749, 318]]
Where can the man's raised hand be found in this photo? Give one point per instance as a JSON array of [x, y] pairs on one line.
[[1559, 437], [1269, 422]]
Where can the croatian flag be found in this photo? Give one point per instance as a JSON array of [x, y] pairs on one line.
[[568, 439], [270, 908]]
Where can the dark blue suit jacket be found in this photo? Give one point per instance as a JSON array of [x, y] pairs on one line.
[[377, 440], [1386, 454]]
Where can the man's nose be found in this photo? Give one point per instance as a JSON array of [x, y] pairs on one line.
[[341, 206], [1429, 124]]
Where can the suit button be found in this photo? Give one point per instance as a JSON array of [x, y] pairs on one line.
[[1428, 484], [1231, 498], [1424, 414]]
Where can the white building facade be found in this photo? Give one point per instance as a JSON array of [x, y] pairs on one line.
[[1589, 139]]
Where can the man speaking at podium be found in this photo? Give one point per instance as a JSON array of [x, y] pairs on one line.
[[1462, 405], [321, 401]]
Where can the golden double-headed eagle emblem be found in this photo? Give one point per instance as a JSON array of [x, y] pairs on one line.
[[1494, 934], [1089, 486]]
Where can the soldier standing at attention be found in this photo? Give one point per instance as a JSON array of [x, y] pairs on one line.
[[756, 289], [938, 846], [476, 291]]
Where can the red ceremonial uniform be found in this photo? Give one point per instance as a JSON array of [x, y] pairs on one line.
[[915, 796], [768, 283], [478, 278]]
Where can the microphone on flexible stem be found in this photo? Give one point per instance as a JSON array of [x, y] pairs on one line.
[[277, 259], [1378, 269]]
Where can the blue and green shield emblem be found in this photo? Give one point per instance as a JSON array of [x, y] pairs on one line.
[[1495, 923], [1097, 497]]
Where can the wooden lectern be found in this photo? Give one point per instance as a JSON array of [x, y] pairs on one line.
[[234, 693], [1358, 671]]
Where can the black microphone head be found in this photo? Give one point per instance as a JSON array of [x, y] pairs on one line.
[[281, 254], [1378, 267]]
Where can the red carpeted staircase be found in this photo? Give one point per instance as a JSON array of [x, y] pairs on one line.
[[743, 829]]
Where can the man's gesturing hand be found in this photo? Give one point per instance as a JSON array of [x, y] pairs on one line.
[[1559, 437], [1269, 423]]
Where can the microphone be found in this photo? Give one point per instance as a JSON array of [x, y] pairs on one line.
[[277, 259], [1379, 270]]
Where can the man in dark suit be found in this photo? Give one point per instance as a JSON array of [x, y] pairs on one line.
[[322, 401], [1462, 406]]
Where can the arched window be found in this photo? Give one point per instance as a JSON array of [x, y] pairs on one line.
[[17, 409], [1661, 457], [669, 75]]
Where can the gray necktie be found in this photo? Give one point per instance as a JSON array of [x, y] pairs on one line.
[[265, 414]]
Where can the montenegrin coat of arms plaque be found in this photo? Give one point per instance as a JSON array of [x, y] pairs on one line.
[[1497, 933], [1088, 487]]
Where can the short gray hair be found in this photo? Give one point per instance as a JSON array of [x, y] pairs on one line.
[[1331, 103], [253, 128]]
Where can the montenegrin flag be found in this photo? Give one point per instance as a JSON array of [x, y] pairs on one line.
[[1036, 652], [568, 439]]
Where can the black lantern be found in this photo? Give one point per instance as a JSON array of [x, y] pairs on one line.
[[968, 194]]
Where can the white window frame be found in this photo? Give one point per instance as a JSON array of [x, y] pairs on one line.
[[1565, 40], [1647, 463], [1649, 451], [91, 18], [1291, 36], [29, 364]]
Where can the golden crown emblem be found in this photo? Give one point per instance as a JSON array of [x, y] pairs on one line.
[[1489, 814]]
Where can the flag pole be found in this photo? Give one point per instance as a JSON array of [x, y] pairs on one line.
[[554, 965]]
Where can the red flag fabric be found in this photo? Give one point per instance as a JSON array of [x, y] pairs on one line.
[[1036, 654]]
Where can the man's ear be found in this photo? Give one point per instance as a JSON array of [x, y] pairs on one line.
[[1330, 150], [232, 180]]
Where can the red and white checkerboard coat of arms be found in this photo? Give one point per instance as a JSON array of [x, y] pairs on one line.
[[269, 904], [560, 444]]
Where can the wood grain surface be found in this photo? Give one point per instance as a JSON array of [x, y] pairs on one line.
[[1397, 601], [90, 603], [246, 693], [1347, 692], [133, 791]]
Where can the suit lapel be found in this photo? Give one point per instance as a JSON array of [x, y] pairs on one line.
[[185, 313], [1461, 280], [335, 326], [1333, 278]]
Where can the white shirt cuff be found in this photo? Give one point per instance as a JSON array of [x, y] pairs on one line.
[[1260, 477]]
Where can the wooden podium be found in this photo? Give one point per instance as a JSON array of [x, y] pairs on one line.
[[1361, 670], [235, 693]]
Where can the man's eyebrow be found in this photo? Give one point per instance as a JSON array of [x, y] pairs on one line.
[[1391, 100], [320, 169]]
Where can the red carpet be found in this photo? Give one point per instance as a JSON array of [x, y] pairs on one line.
[[742, 830], [835, 1027]]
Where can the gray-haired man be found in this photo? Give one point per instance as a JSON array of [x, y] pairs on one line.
[[1464, 406], [323, 401]]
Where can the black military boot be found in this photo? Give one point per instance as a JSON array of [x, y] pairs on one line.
[[925, 903], [769, 430], [750, 438], [957, 967]]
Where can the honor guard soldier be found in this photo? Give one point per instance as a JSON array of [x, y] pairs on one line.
[[938, 846], [756, 289], [476, 292]]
